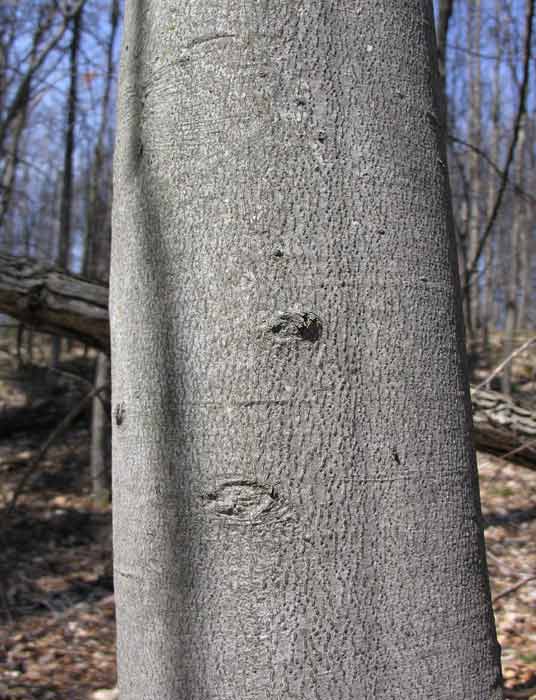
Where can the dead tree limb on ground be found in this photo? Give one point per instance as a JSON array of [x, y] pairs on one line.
[[503, 428], [48, 299]]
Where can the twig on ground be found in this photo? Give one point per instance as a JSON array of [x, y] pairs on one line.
[[519, 693], [70, 375], [504, 457], [499, 564], [503, 364], [83, 380], [59, 430], [513, 589], [524, 446]]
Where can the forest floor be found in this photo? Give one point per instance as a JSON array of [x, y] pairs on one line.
[[57, 621], [57, 618]]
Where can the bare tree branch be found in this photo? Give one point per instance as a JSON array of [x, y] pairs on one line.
[[21, 94], [473, 264], [493, 165], [505, 362], [69, 419], [513, 589]]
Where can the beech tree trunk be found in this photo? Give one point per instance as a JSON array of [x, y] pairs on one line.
[[286, 317]]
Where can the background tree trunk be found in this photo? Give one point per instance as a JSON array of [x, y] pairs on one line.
[[285, 317], [7, 181], [526, 319], [473, 298], [64, 240], [445, 8], [100, 452], [64, 244], [491, 264], [513, 276], [96, 264]]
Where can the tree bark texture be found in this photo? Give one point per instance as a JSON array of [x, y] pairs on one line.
[[49, 300], [286, 318]]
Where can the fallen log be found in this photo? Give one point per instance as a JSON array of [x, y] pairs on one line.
[[503, 428], [48, 299]]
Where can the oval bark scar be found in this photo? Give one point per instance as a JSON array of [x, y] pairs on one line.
[[242, 500]]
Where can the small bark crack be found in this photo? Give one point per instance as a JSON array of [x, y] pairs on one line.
[[206, 38]]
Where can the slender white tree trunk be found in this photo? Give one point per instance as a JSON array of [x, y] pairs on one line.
[[527, 239], [474, 28], [491, 265], [100, 453], [66, 202], [296, 509], [515, 263]]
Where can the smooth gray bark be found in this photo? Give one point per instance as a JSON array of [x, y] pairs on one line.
[[285, 319]]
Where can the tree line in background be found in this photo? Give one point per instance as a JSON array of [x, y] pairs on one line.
[[58, 72]]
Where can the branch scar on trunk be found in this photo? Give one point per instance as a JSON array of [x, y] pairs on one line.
[[244, 501], [288, 326]]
